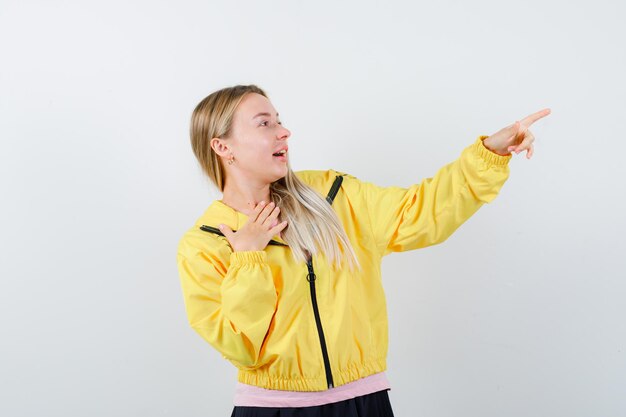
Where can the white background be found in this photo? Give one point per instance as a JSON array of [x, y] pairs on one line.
[[519, 313]]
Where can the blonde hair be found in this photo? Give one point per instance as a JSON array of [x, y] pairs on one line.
[[313, 226]]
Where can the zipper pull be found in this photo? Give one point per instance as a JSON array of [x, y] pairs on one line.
[[311, 275]]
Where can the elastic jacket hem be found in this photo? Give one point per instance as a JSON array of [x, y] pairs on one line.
[[343, 376]]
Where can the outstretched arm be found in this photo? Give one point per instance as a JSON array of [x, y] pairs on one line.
[[428, 212]]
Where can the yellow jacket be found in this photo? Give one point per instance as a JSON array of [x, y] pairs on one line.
[[285, 330]]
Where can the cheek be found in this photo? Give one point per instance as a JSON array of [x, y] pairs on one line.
[[257, 148], [253, 148], [259, 154]]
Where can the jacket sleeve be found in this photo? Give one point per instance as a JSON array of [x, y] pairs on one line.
[[229, 305], [428, 213]]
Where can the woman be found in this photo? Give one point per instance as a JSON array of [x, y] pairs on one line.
[[290, 291]]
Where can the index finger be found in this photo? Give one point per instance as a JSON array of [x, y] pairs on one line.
[[530, 119]]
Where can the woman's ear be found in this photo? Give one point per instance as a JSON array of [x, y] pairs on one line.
[[219, 147]]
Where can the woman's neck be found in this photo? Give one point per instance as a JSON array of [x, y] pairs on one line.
[[245, 202]]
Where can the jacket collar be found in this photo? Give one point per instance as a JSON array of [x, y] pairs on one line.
[[218, 212]]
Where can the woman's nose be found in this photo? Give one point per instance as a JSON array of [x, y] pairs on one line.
[[284, 133]]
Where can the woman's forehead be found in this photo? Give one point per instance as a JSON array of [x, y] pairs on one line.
[[255, 105]]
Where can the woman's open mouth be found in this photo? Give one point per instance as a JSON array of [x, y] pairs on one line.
[[281, 156]]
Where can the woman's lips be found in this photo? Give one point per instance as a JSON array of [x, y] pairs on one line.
[[281, 158]]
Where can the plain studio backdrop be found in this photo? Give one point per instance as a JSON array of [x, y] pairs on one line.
[[520, 312]]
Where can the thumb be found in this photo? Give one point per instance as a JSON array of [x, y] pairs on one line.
[[514, 130]]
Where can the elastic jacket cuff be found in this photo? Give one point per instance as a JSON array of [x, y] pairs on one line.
[[488, 155], [248, 257]]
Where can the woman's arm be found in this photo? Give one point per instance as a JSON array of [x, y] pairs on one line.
[[229, 304], [427, 213]]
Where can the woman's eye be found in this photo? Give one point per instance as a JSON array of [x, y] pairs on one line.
[[265, 121]]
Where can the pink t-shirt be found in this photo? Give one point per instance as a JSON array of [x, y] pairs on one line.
[[250, 395]]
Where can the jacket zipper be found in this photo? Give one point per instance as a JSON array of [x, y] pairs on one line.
[[311, 278]]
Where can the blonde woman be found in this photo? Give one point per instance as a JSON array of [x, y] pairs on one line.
[[282, 275]]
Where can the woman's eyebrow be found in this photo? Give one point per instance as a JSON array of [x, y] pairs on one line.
[[263, 114]]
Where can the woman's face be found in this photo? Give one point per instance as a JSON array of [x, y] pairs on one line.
[[256, 135]]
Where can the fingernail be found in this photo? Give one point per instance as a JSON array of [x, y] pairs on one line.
[[221, 226]]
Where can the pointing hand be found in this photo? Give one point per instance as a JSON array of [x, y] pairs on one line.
[[515, 137]]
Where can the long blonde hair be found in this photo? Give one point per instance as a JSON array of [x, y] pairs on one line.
[[313, 226]]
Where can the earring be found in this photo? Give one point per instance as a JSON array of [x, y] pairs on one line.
[[231, 160]]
